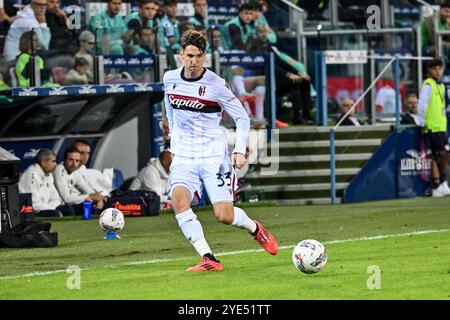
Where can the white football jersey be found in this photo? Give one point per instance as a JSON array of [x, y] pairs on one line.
[[194, 110]]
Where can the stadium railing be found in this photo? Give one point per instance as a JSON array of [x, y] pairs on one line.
[[402, 42], [393, 61]]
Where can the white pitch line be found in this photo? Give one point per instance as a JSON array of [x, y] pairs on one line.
[[151, 261]]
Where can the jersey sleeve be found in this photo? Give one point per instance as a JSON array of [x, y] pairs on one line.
[[169, 110], [231, 105]]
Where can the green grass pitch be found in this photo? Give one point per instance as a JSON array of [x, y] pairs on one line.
[[150, 259]]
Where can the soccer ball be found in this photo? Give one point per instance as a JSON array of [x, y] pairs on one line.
[[309, 256], [111, 220]]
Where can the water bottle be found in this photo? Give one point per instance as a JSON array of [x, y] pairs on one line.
[[87, 209]]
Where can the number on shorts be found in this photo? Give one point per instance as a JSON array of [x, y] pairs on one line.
[[221, 181]]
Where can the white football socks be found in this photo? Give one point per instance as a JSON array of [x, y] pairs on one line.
[[241, 220], [193, 231]]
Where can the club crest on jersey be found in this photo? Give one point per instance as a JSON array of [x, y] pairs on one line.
[[174, 86], [202, 91]]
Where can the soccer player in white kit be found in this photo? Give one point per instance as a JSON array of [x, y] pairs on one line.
[[195, 98]]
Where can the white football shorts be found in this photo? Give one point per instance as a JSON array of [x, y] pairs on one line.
[[215, 174]]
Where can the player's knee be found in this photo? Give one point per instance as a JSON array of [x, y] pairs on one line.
[[225, 219], [181, 199], [224, 215], [180, 204]]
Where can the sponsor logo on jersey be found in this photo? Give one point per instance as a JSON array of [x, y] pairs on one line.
[[193, 104]]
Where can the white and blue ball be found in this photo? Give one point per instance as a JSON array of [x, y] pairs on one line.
[[111, 220], [309, 256]]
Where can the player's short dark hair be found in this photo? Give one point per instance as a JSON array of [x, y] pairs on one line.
[[70, 150], [44, 155], [436, 62], [193, 38], [170, 2], [142, 29], [26, 40], [79, 141], [81, 62], [144, 2], [245, 6], [256, 5]]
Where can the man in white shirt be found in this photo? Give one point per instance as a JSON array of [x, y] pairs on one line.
[[31, 17], [102, 181], [195, 98], [71, 185], [37, 179], [155, 176]]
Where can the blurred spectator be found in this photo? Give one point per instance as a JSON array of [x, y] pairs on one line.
[[291, 77], [31, 17], [71, 185], [102, 181], [155, 176], [109, 27], [259, 8], [170, 24], [216, 41], [78, 75], [29, 44], [184, 26], [5, 19], [385, 102], [37, 179], [145, 42], [350, 120], [146, 17], [3, 84], [428, 32], [85, 51], [200, 14], [61, 36], [237, 31], [250, 90], [410, 116]]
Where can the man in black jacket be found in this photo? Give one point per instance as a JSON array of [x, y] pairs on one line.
[[410, 116], [350, 119], [62, 38]]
